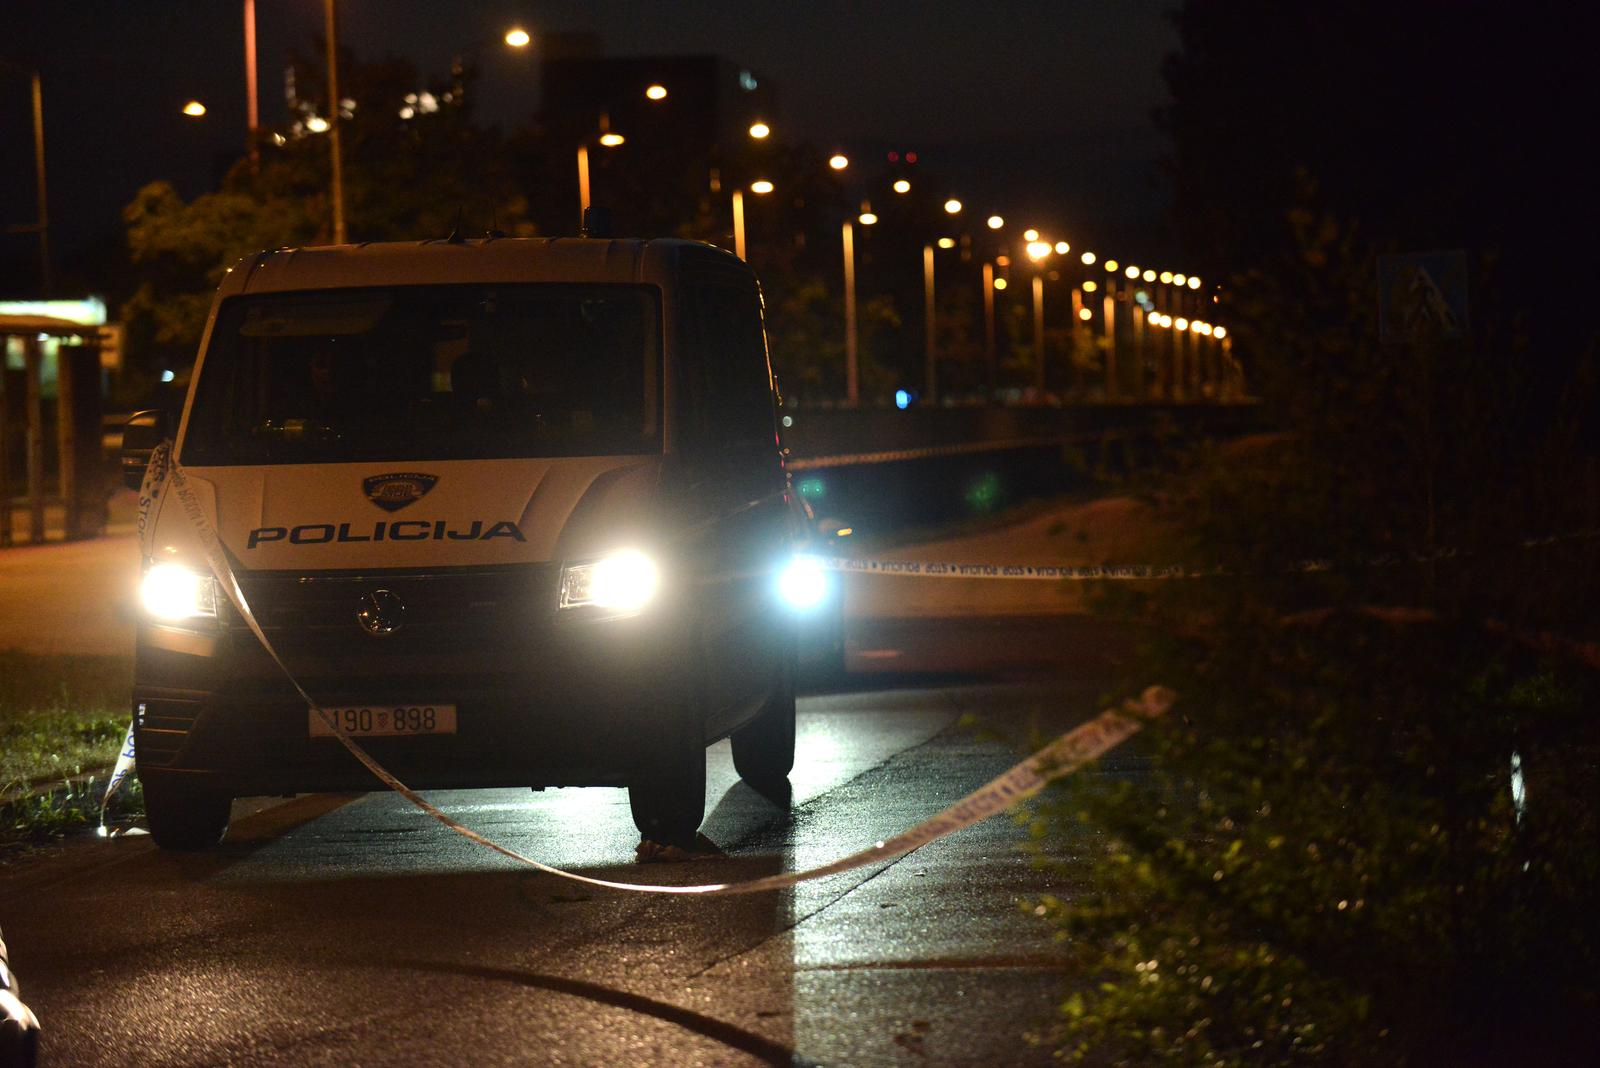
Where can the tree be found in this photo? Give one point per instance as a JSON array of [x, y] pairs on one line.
[[414, 162]]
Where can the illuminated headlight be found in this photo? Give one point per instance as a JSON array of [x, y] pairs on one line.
[[624, 583], [172, 593], [803, 583]]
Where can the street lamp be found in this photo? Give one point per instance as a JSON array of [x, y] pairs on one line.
[[194, 109], [656, 92], [608, 138], [1088, 259], [838, 161], [760, 187], [42, 224], [759, 130], [1062, 248], [902, 186], [952, 206], [996, 222], [1038, 250], [1030, 234], [517, 37]]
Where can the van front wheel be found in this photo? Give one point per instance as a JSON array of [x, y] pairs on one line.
[[669, 799], [183, 816], [763, 749]]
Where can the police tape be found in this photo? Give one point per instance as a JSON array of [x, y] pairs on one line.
[[1066, 754], [943, 569]]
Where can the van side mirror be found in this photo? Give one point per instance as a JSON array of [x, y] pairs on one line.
[[141, 435]]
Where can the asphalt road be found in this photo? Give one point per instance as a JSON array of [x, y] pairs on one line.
[[354, 930]]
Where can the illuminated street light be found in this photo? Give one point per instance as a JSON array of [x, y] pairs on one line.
[[1132, 271], [902, 186], [759, 130], [1111, 266], [761, 187], [611, 139], [1181, 324], [1088, 259], [1030, 235], [995, 222], [1166, 278], [839, 161], [952, 206], [1085, 314], [1194, 283], [947, 242], [1149, 276], [1179, 280], [194, 109], [517, 37], [1219, 332], [867, 218], [1062, 248], [1002, 261], [1038, 250], [317, 124], [999, 283], [1090, 286], [656, 92]]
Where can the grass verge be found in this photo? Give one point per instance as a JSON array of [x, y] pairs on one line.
[[61, 720]]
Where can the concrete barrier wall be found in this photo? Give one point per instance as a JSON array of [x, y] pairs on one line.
[[1066, 450], [830, 432]]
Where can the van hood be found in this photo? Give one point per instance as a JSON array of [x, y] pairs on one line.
[[455, 513]]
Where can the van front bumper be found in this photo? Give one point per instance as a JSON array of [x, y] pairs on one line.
[[588, 704]]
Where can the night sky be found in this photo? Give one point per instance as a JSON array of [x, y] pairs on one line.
[[1041, 109]]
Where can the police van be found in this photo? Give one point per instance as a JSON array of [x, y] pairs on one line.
[[512, 512]]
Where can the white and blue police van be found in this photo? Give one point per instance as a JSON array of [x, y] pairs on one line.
[[512, 512]]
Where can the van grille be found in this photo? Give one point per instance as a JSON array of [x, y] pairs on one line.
[[443, 610]]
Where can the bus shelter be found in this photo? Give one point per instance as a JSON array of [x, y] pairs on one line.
[[53, 478]]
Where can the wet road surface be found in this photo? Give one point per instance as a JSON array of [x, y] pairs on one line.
[[355, 930]]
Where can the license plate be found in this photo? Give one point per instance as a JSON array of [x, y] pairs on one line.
[[374, 721]]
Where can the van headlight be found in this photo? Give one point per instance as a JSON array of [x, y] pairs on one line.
[[172, 593], [623, 583], [803, 583]]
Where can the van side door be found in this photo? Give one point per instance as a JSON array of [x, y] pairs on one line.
[[738, 483]]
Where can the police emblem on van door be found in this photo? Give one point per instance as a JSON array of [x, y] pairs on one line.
[[394, 492]]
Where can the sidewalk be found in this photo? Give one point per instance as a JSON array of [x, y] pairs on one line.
[[122, 516], [70, 597]]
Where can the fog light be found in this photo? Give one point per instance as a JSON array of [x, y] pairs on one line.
[[803, 583], [623, 582], [172, 592]]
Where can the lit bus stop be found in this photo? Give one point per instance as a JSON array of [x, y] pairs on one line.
[[54, 359]]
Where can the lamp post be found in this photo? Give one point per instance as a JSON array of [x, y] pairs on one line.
[[851, 368], [988, 325], [337, 156], [42, 225], [607, 138], [760, 187], [930, 373]]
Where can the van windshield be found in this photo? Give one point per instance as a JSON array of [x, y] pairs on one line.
[[430, 372]]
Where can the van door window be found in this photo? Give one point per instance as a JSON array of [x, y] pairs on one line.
[[730, 381]]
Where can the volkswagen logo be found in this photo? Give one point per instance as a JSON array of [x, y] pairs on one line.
[[381, 613]]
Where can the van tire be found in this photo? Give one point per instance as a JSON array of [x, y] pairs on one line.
[[763, 749], [669, 800], [183, 816]]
